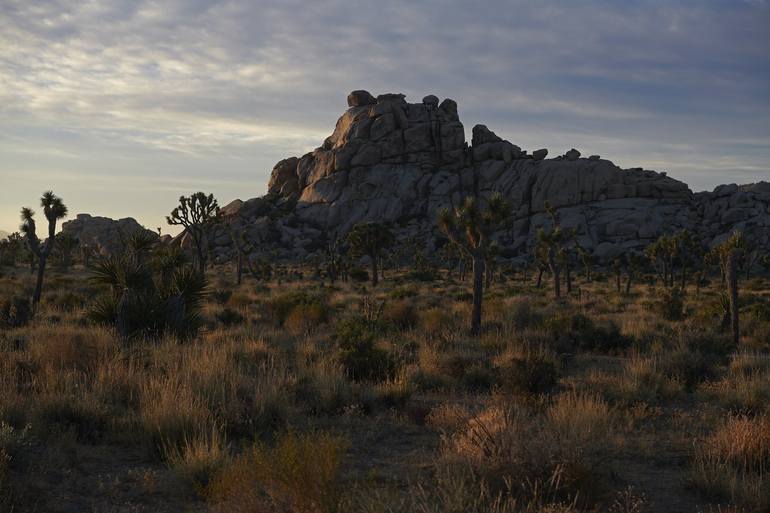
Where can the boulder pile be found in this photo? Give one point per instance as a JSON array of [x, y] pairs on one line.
[[392, 161]]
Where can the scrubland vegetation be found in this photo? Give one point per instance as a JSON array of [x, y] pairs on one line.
[[292, 394], [148, 381]]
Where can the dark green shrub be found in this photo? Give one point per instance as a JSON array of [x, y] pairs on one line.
[[278, 308], [581, 332], [222, 296], [362, 359], [401, 314], [358, 274], [15, 312], [229, 317], [669, 304], [529, 375], [403, 292]]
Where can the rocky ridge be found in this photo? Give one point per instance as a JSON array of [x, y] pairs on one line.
[[392, 161]]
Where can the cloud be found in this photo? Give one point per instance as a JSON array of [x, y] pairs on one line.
[[195, 89]]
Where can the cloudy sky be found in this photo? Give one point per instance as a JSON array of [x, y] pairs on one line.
[[122, 106]]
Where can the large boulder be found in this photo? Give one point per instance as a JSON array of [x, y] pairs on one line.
[[102, 234], [388, 160]]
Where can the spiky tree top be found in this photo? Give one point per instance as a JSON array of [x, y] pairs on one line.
[[471, 225], [53, 209], [194, 211], [369, 238]]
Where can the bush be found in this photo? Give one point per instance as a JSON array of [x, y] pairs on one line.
[[229, 317], [733, 463], [279, 307], [401, 315], [358, 274], [532, 374], [15, 312], [581, 332], [669, 304], [362, 359], [302, 472], [222, 296]]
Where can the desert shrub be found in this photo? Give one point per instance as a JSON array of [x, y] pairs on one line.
[[358, 353], [403, 292], [280, 306], [688, 367], [221, 296], [522, 315], [199, 458], [532, 373], [568, 440], [300, 473], [55, 414], [745, 387], [733, 463], [229, 317], [66, 300], [359, 274], [581, 332], [390, 394], [435, 320], [305, 316], [15, 312], [400, 314], [644, 380], [669, 304], [425, 275]]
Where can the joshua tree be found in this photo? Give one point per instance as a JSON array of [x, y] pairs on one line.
[[728, 253], [54, 209], [370, 239], [196, 213], [587, 260], [634, 264], [470, 228]]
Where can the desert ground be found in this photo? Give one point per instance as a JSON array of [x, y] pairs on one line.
[[298, 394]]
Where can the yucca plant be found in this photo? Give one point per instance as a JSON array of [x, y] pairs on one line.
[[153, 291]]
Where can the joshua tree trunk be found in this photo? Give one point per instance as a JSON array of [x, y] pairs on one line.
[[39, 284], [556, 275], [539, 277], [478, 292], [375, 274], [684, 276], [732, 287], [617, 279], [239, 276], [629, 278], [568, 278]]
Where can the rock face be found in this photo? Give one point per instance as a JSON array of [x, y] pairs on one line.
[[104, 235], [389, 160]]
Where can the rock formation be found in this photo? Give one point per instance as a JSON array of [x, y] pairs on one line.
[[102, 234], [393, 161]]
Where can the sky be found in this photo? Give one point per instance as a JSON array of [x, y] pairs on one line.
[[122, 106]]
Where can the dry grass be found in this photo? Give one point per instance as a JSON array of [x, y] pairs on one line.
[[734, 462], [536, 415]]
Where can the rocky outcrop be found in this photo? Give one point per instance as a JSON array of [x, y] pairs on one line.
[[104, 235], [389, 160]]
